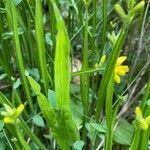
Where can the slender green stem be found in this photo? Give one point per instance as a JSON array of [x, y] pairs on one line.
[[86, 71]]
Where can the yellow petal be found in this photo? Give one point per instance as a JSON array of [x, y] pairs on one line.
[[120, 60], [117, 78], [120, 72], [8, 120], [19, 110], [124, 68], [144, 125]]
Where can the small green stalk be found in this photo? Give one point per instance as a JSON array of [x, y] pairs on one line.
[[86, 71]]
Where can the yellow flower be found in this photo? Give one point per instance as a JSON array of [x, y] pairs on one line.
[[120, 70], [11, 115], [143, 123]]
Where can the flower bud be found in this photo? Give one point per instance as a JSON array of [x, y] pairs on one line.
[[8, 120], [102, 60], [87, 2], [138, 7], [120, 11], [138, 114], [131, 4]]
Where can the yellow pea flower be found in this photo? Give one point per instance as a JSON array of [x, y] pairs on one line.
[[120, 70], [143, 123], [11, 115]]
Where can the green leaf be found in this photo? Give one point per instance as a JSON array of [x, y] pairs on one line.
[[123, 134], [8, 35], [148, 102], [65, 128], [38, 120], [41, 52], [47, 110], [66, 132], [77, 110], [34, 72], [98, 127], [52, 97], [17, 83], [48, 39], [78, 145], [34, 85], [3, 76]]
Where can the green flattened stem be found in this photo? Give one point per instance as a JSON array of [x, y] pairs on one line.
[[108, 71], [41, 45], [109, 114], [85, 77], [19, 56]]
